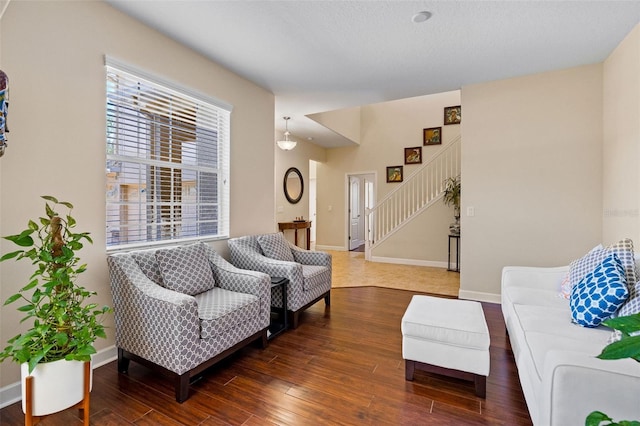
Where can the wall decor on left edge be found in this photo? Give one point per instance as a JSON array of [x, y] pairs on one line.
[[394, 174], [4, 109]]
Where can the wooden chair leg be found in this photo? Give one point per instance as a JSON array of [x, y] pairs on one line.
[[123, 362], [182, 387]]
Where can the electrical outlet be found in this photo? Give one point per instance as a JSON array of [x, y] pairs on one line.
[[471, 211]]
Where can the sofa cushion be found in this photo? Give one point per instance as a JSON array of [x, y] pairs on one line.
[[600, 293], [632, 305], [221, 310], [276, 247], [581, 267], [185, 269]]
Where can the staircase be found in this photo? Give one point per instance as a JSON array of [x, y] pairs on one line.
[[419, 191]]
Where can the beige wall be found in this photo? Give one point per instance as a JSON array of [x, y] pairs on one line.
[[53, 53], [532, 169], [298, 157], [386, 129], [345, 122], [621, 153]]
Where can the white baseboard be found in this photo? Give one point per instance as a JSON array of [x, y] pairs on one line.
[[413, 262], [480, 296], [333, 248], [12, 393]]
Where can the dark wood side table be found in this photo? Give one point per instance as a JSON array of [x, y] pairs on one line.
[[456, 238], [295, 225], [280, 324]]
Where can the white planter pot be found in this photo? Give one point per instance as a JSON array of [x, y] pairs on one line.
[[57, 386]]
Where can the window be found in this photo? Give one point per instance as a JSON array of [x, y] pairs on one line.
[[167, 161]]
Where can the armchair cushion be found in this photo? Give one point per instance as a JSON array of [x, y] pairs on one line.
[[185, 269], [221, 310], [314, 275], [276, 247]]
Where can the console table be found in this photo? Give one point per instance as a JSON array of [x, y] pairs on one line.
[[295, 225]]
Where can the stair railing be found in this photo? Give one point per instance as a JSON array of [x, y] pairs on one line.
[[419, 191]]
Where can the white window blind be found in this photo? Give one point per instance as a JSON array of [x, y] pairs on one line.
[[167, 163]]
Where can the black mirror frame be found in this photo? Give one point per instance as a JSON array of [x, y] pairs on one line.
[[284, 185]]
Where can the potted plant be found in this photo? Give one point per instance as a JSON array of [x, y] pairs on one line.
[[451, 197], [64, 325], [627, 347]]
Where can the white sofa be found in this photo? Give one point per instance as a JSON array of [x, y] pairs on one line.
[[561, 377]]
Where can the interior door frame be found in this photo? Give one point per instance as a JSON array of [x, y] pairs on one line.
[[373, 175]]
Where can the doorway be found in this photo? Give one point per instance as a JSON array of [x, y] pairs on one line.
[[361, 190]]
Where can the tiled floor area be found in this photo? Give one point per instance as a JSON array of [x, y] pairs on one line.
[[351, 270]]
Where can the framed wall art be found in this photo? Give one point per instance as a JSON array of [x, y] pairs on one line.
[[452, 115], [413, 155], [394, 174], [432, 136]]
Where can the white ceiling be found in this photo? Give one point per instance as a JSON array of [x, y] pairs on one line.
[[317, 56]]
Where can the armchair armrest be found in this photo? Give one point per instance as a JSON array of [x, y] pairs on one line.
[[308, 257], [574, 384], [151, 321]]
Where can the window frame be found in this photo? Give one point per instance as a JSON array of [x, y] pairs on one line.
[[216, 131]]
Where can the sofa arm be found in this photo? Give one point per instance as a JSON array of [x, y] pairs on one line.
[[574, 384], [534, 277], [151, 321]]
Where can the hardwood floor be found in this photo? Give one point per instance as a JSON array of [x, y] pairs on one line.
[[343, 365]]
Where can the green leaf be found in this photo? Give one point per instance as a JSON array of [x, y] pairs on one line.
[[627, 324], [13, 298], [29, 286], [627, 347], [50, 212], [23, 239], [50, 198], [595, 418], [11, 255]]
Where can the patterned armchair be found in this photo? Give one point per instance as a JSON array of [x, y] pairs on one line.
[[309, 272], [180, 310]]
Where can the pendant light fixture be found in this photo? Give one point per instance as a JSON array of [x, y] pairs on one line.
[[286, 144]]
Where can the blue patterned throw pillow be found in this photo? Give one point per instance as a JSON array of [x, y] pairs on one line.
[[600, 293]]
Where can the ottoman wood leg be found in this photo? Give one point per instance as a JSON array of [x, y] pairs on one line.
[[481, 385], [409, 369]]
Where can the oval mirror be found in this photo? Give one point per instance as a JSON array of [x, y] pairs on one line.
[[293, 185]]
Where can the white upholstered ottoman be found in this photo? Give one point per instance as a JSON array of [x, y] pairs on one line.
[[446, 336]]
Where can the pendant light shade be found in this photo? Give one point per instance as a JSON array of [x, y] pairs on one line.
[[286, 144]]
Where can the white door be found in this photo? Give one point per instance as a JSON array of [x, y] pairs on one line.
[[355, 214]]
